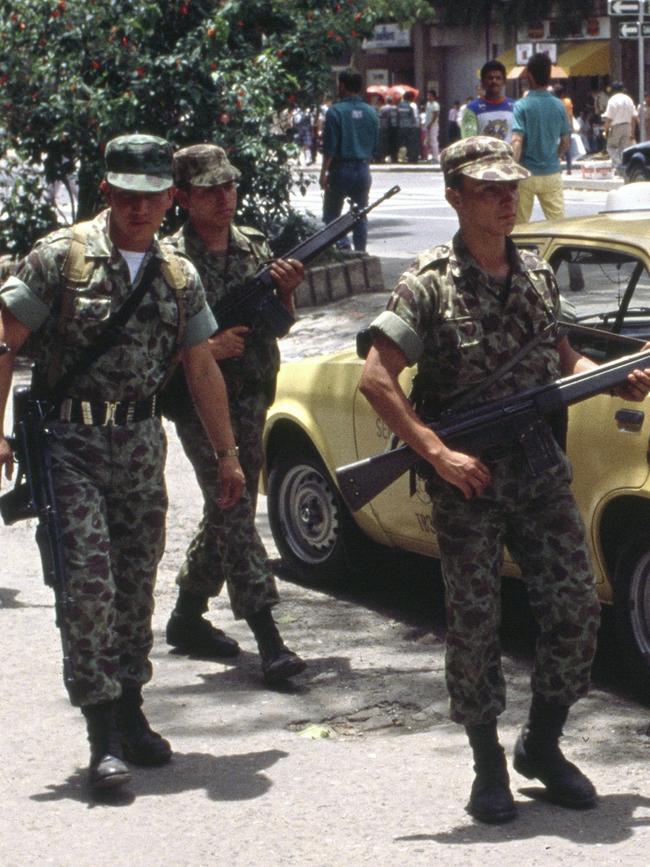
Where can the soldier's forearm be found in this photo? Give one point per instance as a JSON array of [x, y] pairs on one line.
[[209, 394]]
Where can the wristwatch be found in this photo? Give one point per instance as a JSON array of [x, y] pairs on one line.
[[4, 348], [232, 452]]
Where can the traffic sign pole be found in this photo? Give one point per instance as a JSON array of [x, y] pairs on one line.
[[641, 44]]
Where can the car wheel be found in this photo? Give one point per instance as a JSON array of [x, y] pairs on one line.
[[636, 173], [632, 607], [312, 528]]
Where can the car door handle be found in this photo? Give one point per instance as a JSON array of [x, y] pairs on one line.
[[629, 419]]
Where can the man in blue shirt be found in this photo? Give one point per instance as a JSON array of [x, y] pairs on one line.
[[540, 136], [350, 139]]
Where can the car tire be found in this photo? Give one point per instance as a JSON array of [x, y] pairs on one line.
[[632, 609], [637, 173], [312, 528]]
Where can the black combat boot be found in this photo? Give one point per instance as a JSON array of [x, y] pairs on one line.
[[142, 745], [189, 632], [107, 769], [278, 662], [490, 799], [538, 755]]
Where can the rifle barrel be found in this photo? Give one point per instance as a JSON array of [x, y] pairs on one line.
[[363, 480]]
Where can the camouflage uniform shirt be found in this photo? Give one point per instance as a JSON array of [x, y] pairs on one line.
[[459, 325], [223, 274], [70, 318]]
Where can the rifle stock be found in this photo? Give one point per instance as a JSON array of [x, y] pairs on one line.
[[506, 421]]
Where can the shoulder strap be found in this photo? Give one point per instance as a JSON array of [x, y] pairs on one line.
[[175, 277], [111, 333], [77, 269]]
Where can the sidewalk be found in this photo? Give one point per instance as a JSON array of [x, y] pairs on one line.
[[574, 181]]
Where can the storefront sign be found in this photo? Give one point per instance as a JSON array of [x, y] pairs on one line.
[[388, 36]]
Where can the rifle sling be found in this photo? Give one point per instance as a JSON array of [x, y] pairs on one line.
[[110, 333], [500, 372]]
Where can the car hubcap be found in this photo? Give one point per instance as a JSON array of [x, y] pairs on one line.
[[309, 514], [640, 604]]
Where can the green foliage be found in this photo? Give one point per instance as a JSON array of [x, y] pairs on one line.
[[75, 73]]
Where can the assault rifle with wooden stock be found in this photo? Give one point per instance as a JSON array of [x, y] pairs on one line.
[[518, 419], [257, 305], [257, 299]]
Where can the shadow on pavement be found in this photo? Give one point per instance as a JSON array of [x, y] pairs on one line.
[[409, 588], [224, 778], [613, 822]]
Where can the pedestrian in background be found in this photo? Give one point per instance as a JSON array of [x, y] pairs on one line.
[[349, 143], [643, 132], [106, 440], [540, 138], [620, 118], [431, 124], [226, 548], [453, 129], [491, 113], [558, 91], [388, 134]]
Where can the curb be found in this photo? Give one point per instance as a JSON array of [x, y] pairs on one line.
[[569, 182]]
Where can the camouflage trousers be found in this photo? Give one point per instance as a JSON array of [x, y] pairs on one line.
[[227, 547], [111, 496], [538, 520]]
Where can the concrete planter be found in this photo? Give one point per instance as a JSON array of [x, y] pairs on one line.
[[331, 282]]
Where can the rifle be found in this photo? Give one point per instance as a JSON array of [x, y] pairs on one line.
[[518, 419], [33, 496], [257, 303]]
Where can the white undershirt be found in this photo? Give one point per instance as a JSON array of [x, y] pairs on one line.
[[133, 260]]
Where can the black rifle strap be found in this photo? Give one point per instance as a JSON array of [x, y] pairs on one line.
[[500, 372], [111, 332]]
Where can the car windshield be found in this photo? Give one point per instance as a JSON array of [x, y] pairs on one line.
[[618, 285]]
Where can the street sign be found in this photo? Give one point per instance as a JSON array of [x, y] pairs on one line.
[[627, 7], [630, 30]]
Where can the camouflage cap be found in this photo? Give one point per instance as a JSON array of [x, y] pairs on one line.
[[483, 158], [142, 163], [203, 165]]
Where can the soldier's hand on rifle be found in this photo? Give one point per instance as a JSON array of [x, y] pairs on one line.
[[468, 473], [637, 386], [231, 482], [6, 459], [229, 343], [287, 275]]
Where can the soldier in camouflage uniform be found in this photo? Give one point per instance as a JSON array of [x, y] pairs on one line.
[[107, 443], [460, 313], [227, 547]]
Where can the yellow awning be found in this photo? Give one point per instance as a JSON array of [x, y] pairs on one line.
[[556, 72], [578, 58], [586, 58], [508, 58]]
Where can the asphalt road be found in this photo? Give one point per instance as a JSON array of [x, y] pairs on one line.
[[355, 764]]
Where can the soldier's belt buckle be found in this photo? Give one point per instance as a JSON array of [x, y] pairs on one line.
[[110, 408]]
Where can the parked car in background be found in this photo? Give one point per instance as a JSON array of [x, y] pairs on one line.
[[636, 162], [321, 421]]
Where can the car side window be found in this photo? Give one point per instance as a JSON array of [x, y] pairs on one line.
[[610, 289]]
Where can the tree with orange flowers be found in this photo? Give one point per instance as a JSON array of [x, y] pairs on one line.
[[75, 73]]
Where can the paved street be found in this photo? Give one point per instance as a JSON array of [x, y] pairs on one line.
[[355, 764]]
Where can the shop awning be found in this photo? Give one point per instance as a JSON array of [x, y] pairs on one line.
[[585, 58], [577, 58], [556, 72]]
